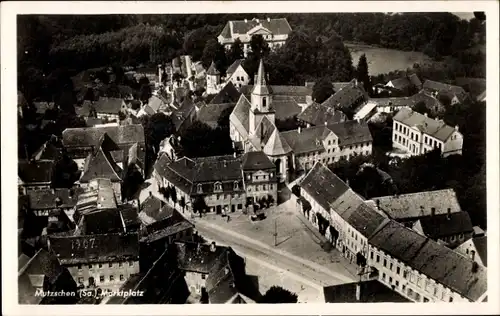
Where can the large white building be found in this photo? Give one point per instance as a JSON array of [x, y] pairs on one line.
[[274, 31], [418, 134]]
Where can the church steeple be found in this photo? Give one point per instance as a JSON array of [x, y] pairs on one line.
[[261, 95]]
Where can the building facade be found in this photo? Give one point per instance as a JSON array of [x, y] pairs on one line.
[[274, 31], [237, 74], [417, 134]]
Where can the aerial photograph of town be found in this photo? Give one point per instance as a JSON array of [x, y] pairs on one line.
[[238, 158]]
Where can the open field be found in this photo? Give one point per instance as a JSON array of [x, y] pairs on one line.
[[384, 60]]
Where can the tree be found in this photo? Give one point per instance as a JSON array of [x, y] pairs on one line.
[[165, 192], [322, 90], [235, 52], [215, 52], [200, 140], [199, 204], [306, 206], [296, 190], [182, 203], [145, 93], [278, 295], [480, 15], [223, 120], [156, 128], [173, 194], [362, 74]]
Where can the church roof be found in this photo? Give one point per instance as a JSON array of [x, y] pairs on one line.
[[260, 85], [212, 71], [277, 145]]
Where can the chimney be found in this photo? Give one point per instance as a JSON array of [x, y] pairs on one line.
[[246, 21], [378, 204], [448, 216], [212, 246], [425, 114], [53, 191], [473, 255], [347, 182], [268, 19], [299, 130], [358, 291], [433, 210], [326, 123], [456, 128]]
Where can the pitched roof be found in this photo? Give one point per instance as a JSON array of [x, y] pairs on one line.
[[406, 81], [277, 145], [151, 205], [257, 160], [308, 140], [481, 245], [317, 114], [166, 231], [285, 108], [210, 113], [260, 85], [351, 132], [427, 125], [72, 250], [323, 185], [395, 101], [436, 261], [275, 26], [217, 168], [228, 94], [370, 292], [346, 97], [182, 113], [179, 172], [366, 220], [441, 225], [430, 102], [108, 105], [420, 204], [240, 115], [197, 257], [50, 199], [264, 130], [415, 80], [212, 70], [90, 136], [347, 204], [43, 265], [101, 165], [435, 86], [156, 102], [231, 69], [35, 171], [48, 151]]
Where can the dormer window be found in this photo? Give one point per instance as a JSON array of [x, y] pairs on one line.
[[199, 189], [236, 186], [264, 102], [218, 186]]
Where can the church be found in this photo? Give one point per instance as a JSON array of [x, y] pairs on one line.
[[252, 128]]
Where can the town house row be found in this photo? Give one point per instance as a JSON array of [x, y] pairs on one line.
[[411, 264]]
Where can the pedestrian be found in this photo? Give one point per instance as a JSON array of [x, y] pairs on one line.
[[228, 218]]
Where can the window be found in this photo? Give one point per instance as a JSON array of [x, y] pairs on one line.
[[101, 278], [218, 196], [80, 266], [397, 283], [270, 187], [390, 280], [419, 282], [329, 143], [111, 277], [398, 270], [199, 189], [390, 266], [385, 263], [90, 266], [436, 291], [378, 258], [451, 299], [111, 264], [257, 188], [122, 277], [417, 296], [371, 255], [264, 187], [218, 186], [383, 276], [80, 280], [426, 300], [100, 265]]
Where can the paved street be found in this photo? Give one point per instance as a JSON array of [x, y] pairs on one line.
[[297, 262]]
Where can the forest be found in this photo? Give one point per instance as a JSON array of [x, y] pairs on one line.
[[315, 49]]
